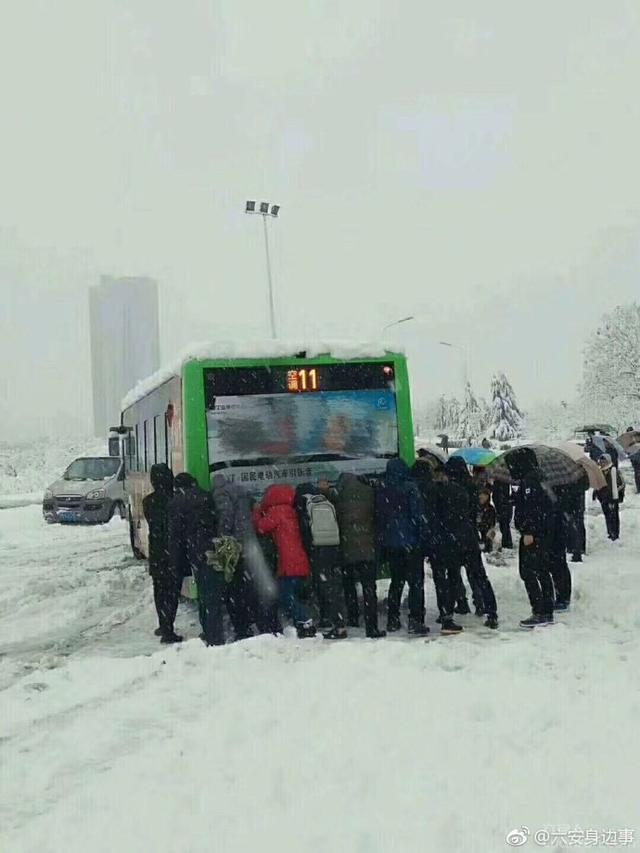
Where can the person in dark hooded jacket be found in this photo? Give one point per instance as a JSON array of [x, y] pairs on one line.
[[535, 519], [193, 526], [486, 520], [166, 583], [400, 513], [457, 472], [439, 545], [355, 505], [233, 505], [459, 519]]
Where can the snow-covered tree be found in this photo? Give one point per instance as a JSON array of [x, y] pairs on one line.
[[611, 371], [447, 415], [470, 425], [453, 416], [442, 414], [505, 422], [485, 409]]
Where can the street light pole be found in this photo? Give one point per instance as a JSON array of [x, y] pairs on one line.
[[465, 361], [265, 211], [272, 307]]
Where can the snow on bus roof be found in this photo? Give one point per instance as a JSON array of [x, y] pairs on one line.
[[341, 349]]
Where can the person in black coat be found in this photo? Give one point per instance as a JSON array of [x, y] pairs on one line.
[[400, 519], [559, 567], [437, 543], [193, 525], [502, 501], [457, 472], [458, 519], [573, 498], [535, 521], [486, 520], [166, 583]]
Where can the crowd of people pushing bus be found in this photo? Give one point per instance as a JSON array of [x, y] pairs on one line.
[[299, 552]]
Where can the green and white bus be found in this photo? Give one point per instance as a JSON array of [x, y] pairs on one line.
[[286, 419]]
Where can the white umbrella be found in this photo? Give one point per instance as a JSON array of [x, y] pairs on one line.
[[432, 450], [597, 479]]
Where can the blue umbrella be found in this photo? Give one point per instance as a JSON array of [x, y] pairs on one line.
[[478, 457]]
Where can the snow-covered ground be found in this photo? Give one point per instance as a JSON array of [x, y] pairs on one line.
[[109, 742]]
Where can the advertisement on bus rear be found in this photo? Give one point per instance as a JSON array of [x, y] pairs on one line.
[[261, 439]]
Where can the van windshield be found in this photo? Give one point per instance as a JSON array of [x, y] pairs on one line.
[[92, 469]]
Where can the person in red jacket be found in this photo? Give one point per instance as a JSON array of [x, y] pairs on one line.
[[276, 517]]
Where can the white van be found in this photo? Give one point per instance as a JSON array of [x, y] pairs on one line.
[[90, 491]]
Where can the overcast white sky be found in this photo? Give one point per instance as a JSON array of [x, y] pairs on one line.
[[475, 164]]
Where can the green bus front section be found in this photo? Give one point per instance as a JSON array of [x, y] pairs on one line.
[[195, 420]]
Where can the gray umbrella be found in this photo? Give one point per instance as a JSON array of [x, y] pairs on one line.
[[556, 467], [629, 440]]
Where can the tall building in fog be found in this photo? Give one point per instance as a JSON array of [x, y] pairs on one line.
[[125, 342]]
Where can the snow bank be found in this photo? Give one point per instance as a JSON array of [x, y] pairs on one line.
[[16, 500], [254, 349]]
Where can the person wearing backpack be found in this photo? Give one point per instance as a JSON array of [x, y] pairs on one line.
[[276, 517], [611, 495], [355, 506], [321, 537], [399, 513]]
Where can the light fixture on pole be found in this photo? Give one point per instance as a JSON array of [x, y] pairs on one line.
[[272, 211], [397, 323]]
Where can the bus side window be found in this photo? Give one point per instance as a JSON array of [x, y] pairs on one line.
[[154, 455], [159, 429], [138, 449], [166, 441], [146, 446]]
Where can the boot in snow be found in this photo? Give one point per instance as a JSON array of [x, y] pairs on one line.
[[417, 628], [306, 630], [449, 627], [336, 634], [561, 605], [158, 632], [168, 639], [393, 625], [462, 608], [536, 621], [491, 622], [375, 633]]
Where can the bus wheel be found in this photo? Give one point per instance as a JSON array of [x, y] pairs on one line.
[[137, 553]]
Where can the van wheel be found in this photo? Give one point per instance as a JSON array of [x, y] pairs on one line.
[[137, 553]]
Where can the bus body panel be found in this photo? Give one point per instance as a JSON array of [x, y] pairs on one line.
[[161, 441]]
